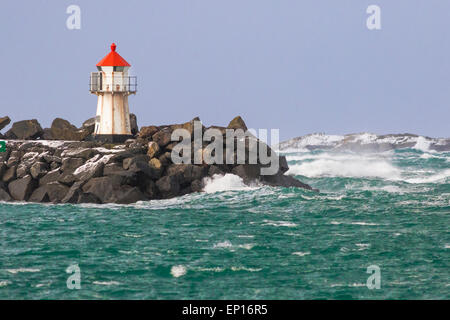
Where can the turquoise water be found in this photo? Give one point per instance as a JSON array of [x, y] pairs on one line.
[[391, 210]]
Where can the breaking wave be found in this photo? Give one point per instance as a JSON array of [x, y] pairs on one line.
[[350, 166], [367, 142], [227, 182]]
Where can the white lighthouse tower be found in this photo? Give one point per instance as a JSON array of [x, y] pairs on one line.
[[112, 85]]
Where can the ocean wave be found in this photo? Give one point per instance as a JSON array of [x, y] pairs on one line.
[[301, 254], [346, 166], [106, 283], [437, 177], [279, 223], [227, 182], [367, 142], [178, 271], [20, 270]]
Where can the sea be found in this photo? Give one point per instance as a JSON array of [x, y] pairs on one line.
[[378, 229]]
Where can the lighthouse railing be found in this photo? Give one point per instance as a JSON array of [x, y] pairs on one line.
[[114, 82]]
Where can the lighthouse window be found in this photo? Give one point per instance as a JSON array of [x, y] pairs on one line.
[[119, 69]]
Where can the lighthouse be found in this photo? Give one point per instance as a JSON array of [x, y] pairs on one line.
[[112, 85]]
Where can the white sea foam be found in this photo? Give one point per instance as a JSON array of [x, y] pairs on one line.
[[4, 283], [247, 246], [346, 166], [423, 144], [106, 283], [213, 269], [363, 246], [178, 271], [246, 269], [437, 177], [227, 182], [279, 223], [224, 244], [20, 270], [363, 141], [357, 223], [301, 254]]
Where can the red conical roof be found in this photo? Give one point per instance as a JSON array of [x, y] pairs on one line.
[[113, 59]]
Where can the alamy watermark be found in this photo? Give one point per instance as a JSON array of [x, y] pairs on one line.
[[374, 20], [74, 280], [374, 280], [73, 22], [239, 147]]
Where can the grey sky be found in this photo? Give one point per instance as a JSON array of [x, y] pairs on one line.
[[300, 66]]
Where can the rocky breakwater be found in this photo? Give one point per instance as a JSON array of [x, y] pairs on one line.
[[141, 169]]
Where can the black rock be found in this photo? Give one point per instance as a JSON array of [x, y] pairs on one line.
[[169, 186], [133, 124], [21, 189], [4, 121], [25, 130]]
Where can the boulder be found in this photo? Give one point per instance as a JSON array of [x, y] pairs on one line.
[[47, 135], [248, 172], [10, 174], [51, 158], [89, 125], [91, 169], [70, 164], [128, 177], [169, 186], [155, 164], [63, 130], [150, 189], [4, 156], [22, 170], [281, 180], [74, 193], [283, 164], [3, 168], [112, 168], [165, 159], [189, 126], [56, 191], [84, 153], [128, 194], [29, 158], [197, 186], [39, 195], [143, 169], [187, 172], [136, 158], [51, 176], [25, 130], [133, 124], [237, 123], [110, 190], [163, 137], [88, 198], [147, 132], [67, 178], [38, 170], [21, 189], [213, 170], [14, 158], [4, 196], [153, 149], [4, 121]]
